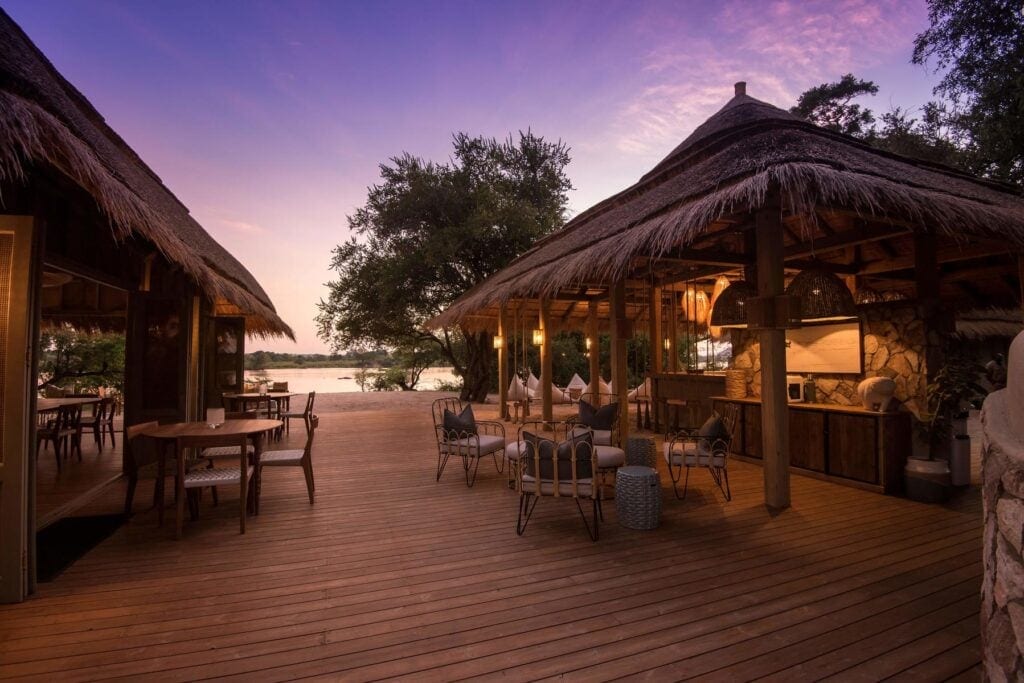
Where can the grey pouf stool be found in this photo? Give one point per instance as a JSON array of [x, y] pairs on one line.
[[640, 450], [638, 497]]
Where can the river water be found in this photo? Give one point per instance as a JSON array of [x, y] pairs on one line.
[[339, 380]]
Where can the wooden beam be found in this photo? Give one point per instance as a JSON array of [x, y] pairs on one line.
[[620, 382], [843, 239], [595, 350], [774, 400], [503, 379], [546, 377], [948, 254], [715, 257], [654, 326], [673, 333]]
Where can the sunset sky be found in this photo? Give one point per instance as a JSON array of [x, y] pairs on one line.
[[269, 119]]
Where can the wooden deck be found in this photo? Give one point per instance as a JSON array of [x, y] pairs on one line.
[[393, 575]]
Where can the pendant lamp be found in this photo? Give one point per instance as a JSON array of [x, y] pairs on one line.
[[730, 306], [823, 296]]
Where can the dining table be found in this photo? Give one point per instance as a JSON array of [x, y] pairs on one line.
[[242, 400], [48, 405], [170, 433]]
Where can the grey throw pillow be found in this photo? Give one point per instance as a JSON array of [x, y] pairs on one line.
[[464, 423]]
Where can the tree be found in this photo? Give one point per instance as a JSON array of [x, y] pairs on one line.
[[431, 231], [931, 136], [979, 44], [830, 105], [89, 361]]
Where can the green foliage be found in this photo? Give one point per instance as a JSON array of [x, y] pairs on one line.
[[978, 45], [830, 105], [431, 231], [68, 358], [949, 394], [270, 360]]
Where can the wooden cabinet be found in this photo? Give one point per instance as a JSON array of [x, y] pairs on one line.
[[807, 439], [853, 447], [845, 444]]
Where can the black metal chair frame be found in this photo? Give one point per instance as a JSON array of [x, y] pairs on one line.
[[528, 499], [464, 444], [705, 449]]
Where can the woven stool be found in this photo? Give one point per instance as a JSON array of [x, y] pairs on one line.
[[640, 451], [638, 497]]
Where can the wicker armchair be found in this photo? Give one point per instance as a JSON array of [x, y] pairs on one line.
[[489, 439], [561, 470], [687, 449]]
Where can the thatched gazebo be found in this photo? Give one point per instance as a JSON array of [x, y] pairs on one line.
[[90, 237], [757, 194]]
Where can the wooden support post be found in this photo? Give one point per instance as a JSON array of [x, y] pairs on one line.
[[657, 343], [673, 333], [1020, 277], [503, 380], [595, 352], [546, 378], [926, 275], [774, 401], [620, 385]]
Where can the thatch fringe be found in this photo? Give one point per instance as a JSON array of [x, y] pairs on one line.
[[985, 323], [29, 134], [804, 188]]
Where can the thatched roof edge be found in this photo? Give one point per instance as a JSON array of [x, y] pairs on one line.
[[804, 186]]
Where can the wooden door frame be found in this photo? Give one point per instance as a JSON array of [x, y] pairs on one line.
[[17, 473]]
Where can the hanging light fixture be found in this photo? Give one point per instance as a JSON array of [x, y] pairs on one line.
[[867, 295], [730, 306], [823, 296], [499, 342], [538, 337]]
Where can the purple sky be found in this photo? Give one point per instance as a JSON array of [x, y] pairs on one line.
[[269, 119]]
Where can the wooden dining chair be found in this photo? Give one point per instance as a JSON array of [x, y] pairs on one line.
[[140, 451], [295, 458], [306, 414], [100, 421], [190, 481], [107, 423], [63, 431]]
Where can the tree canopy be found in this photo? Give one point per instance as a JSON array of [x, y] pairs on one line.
[[831, 105], [979, 47], [429, 232], [84, 360]]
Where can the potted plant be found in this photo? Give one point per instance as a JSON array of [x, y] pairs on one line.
[[944, 427]]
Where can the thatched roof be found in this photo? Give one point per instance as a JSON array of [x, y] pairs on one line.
[[729, 165], [986, 323], [45, 121]]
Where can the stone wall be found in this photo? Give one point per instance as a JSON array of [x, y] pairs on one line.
[[894, 346], [1002, 588]]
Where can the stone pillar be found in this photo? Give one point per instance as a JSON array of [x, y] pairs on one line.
[[1002, 469]]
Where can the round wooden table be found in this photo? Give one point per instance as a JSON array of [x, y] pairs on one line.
[[242, 401], [253, 428]]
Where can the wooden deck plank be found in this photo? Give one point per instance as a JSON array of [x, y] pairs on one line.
[[390, 574]]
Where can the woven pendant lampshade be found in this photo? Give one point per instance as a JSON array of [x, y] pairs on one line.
[[867, 295], [823, 296], [730, 308]]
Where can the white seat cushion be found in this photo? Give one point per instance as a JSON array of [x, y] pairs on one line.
[[215, 476], [513, 451], [488, 444], [224, 451], [610, 456], [293, 457], [687, 454], [584, 487]]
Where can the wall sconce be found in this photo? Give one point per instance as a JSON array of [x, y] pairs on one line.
[[538, 337], [499, 342], [667, 344], [587, 343]]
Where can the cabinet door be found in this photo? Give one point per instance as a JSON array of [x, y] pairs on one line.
[[853, 447], [807, 439], [752, 430]]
